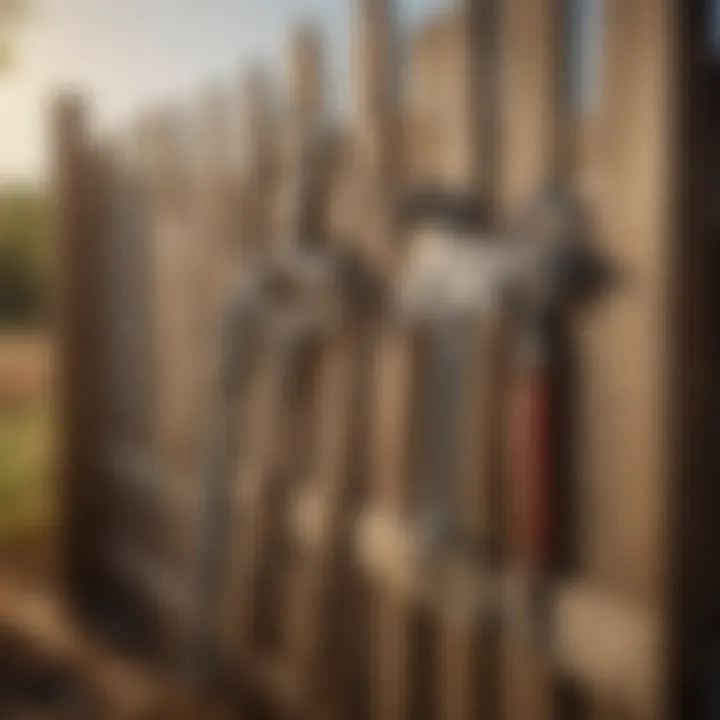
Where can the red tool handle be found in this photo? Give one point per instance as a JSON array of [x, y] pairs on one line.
[[532, 466]]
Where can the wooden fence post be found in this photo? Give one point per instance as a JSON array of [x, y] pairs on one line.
[[303, 132], [391, 414], [259, 164], [377, 89], [78, 258], [306, 79]]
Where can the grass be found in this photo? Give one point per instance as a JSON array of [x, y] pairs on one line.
[[25, 437], [24, 468]]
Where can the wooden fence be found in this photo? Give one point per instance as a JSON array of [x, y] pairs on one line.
[[330, 607]]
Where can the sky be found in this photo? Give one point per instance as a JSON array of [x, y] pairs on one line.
[[127, 55]]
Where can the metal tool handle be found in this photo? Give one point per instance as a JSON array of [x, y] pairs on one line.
[[449, 351], [232, 377]]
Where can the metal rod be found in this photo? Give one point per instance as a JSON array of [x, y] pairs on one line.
[[448, 357]]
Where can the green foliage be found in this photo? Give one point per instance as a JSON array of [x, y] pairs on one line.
[[24, 258], [24, 457]]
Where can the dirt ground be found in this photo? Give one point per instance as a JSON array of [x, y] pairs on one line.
[[25, 364]]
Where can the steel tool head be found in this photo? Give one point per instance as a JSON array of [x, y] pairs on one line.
[[559, 266], [453, 261]]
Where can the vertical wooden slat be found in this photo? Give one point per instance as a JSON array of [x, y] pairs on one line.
[[531, 42], [391, 470], [179, 354], [321, 567], [256, 472], [213, 192], [624, 168], [306, 82], [300, 202], [69, 138], [528, 108], [258, 171], [458, 671], [375, 131], [79, 267]]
